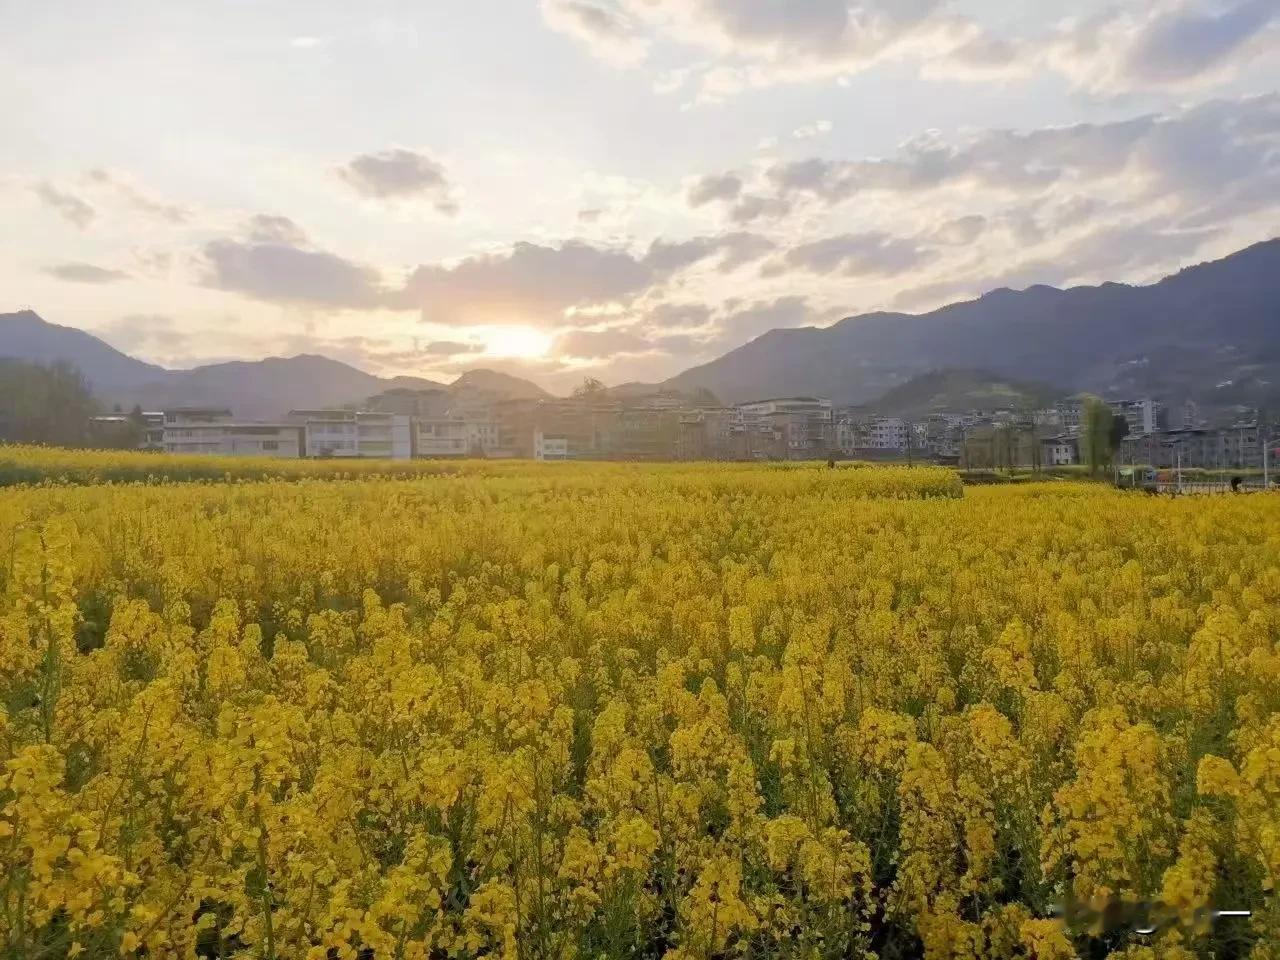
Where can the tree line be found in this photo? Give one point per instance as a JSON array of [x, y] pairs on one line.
[[54, 405]]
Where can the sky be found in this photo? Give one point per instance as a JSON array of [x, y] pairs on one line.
[[618, 189]]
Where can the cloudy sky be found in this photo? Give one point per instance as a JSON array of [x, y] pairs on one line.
[[613, 188]]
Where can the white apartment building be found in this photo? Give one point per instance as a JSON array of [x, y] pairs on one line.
[[442, 438], [482, 435], [1060, 451], [817, 407], [229, 439], [355, 434], [548, 446], [454, 437], [887, 433]]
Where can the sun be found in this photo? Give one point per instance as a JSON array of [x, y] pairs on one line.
[[522, 343]]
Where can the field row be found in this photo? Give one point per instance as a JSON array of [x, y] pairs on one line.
[[33, 466], [606, 711]]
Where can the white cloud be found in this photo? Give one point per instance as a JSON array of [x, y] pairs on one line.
[[69, 206], [1167, 44], [136, 198], [603, 27], [599, 344], [811, 130], [75, 272], [857, 255], [398, 174], [275, 264]]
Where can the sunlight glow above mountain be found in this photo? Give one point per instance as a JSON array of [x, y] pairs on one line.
[[517, 343]]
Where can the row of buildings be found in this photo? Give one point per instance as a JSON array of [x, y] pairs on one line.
[[541, 429], [403, 424]]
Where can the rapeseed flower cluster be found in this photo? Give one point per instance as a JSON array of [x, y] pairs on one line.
[[682, 712]]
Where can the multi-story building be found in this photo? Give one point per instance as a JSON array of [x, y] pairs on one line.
[[1070, 414], [887, 433], [1142, 416], [228, 438], [1239, 447], [455, 437], [446, 437], [548, 446], [483, 436], [788, 428], [177, 415], [145, 430], [355, 434], [941, 435], [1060, 451]]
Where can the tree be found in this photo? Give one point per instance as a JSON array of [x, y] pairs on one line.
[[1115, 437], [44, 404], [590, 389], [1097, 427]]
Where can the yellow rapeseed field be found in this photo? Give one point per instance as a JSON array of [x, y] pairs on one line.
[[555, 711]]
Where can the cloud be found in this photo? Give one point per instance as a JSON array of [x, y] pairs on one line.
[[399, 174], [737, 249], [68, 205], [1186, 43], [529, 284], [1195, 149], [678, 315], [726, 186], [269, 228], [754, 207], [85, 273], [858, 255], [739, 45], [609, 33], [281, 272], [811, 130], [959, 232], [138, 198], [598, 344], [451, 348], [744, 44], [1168, 44], [982, 57]]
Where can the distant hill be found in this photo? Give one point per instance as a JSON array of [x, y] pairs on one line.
[[633, 391], [25, 336], [255, 389], [1210, 332], [955, 391], [495, 382]]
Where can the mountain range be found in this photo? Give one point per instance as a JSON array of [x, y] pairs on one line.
[[1209, 333], [253, 389]]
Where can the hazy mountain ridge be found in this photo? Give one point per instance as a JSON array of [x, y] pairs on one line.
[[252, 388], [952, 391], [1194, 330], [1210, 332]]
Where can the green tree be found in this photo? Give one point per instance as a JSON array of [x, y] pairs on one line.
[[1097, 427], [41, 404]]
